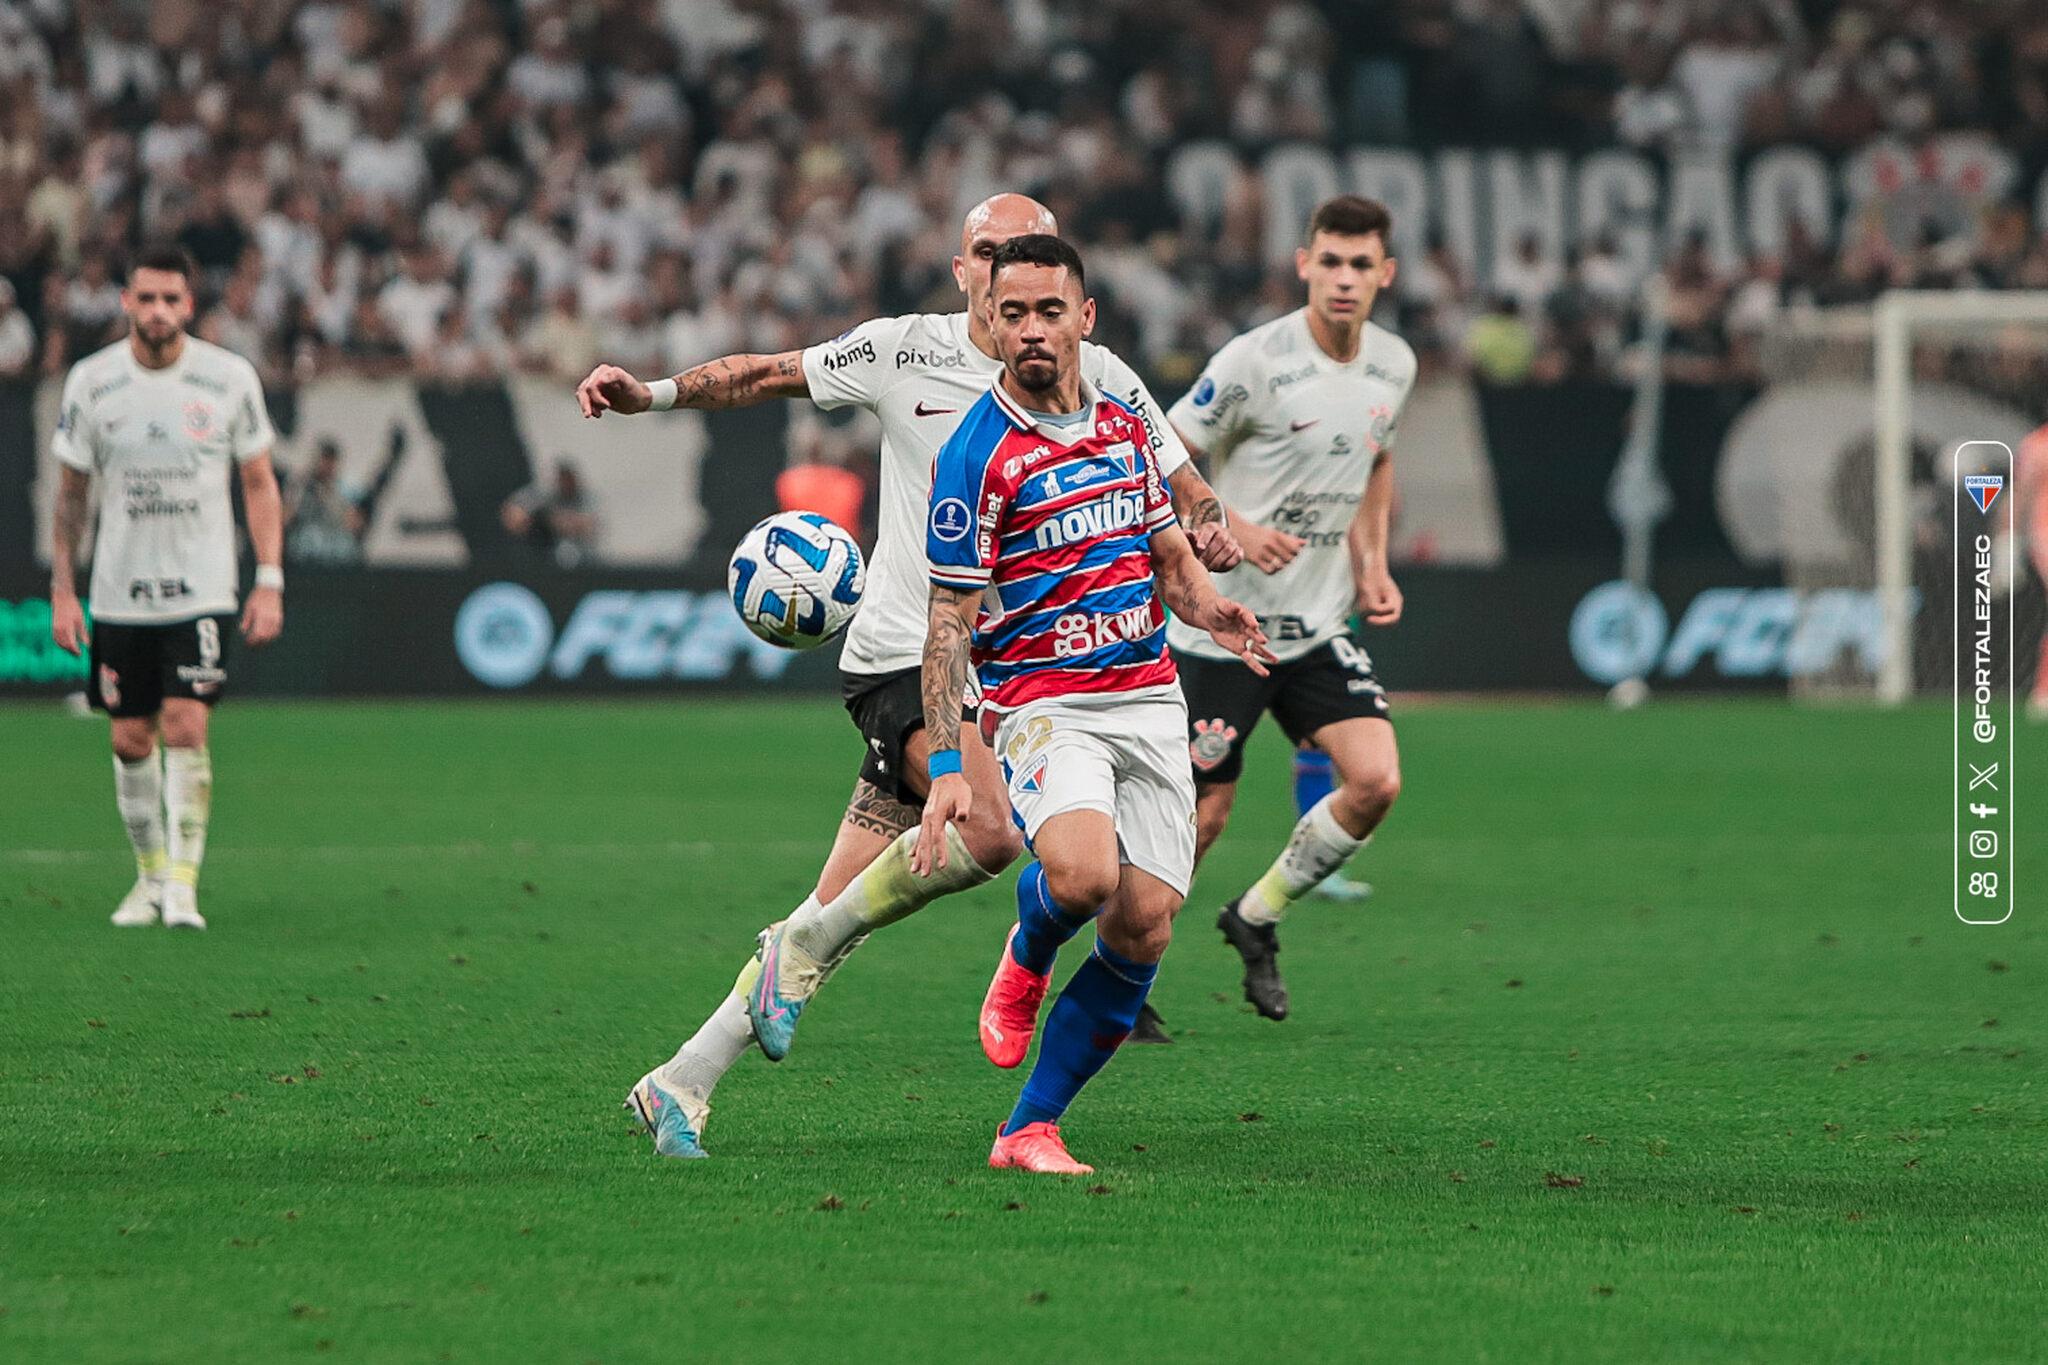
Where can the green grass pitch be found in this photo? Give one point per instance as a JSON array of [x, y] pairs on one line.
[[1658, 1042]]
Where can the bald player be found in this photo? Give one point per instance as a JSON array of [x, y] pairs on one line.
[[918, 374]]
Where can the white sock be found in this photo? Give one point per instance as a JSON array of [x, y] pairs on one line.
[[188, 798], [702, 1062], [139, 794], [885, 891], [1318, 847]]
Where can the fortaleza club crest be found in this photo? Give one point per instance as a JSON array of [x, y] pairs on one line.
[[1212, 741], [1984, 489]]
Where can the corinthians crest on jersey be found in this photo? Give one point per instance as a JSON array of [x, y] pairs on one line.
[[1211, 742]]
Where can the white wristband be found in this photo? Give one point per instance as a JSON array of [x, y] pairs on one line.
[[270, 576], [662, 395]]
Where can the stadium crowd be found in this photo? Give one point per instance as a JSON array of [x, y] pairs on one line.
[[458, 188]]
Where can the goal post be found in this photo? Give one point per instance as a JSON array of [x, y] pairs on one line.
[[1840, 473], [1902, 320]]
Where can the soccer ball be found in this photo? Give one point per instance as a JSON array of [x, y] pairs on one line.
[[796, 579]]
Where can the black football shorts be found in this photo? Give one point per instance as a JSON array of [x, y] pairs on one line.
[[1330, 683], [134, 667]]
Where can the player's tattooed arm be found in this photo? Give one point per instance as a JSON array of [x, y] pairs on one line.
[[739, 381], [945, 664], [950, 800], [1202, 515], [67, 531], [1183, 585], [733, 381], [1187, 590], [875, 810]]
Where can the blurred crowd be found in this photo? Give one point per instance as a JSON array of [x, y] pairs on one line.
[[462, 188]]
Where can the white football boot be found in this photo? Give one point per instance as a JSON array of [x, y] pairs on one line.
[[181, 906], [143, 903]]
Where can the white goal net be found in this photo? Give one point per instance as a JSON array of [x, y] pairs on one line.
[[1843, 473]]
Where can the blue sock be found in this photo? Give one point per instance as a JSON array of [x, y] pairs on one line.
[[1088, 1023], [1042, 927], [1312, 779]]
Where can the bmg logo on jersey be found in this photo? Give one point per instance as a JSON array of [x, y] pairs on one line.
[[863, 349]]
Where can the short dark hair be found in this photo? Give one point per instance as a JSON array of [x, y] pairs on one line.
[[165, 256], [1351, 215], [1038, 248]]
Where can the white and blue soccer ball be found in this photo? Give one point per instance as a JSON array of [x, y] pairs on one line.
[[796, 579]]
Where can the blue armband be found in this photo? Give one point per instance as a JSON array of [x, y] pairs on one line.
[[942, 762]]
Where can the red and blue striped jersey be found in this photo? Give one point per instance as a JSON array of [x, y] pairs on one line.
[[1059, 522]]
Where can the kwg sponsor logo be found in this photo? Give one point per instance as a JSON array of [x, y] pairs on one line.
[[506, 638], [1079, 633], [1091, 520], [1621, 631]]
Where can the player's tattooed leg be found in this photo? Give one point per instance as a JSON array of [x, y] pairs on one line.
[[801, 956], [875, 810]]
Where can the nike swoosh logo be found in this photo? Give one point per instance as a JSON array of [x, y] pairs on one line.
[[922, 411], [1303, 426], [766, 995]]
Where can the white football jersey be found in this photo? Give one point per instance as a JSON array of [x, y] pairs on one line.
[[919, 374], [1296, 433], [163, 444]]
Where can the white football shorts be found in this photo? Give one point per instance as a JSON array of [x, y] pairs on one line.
[[1126, 755]]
